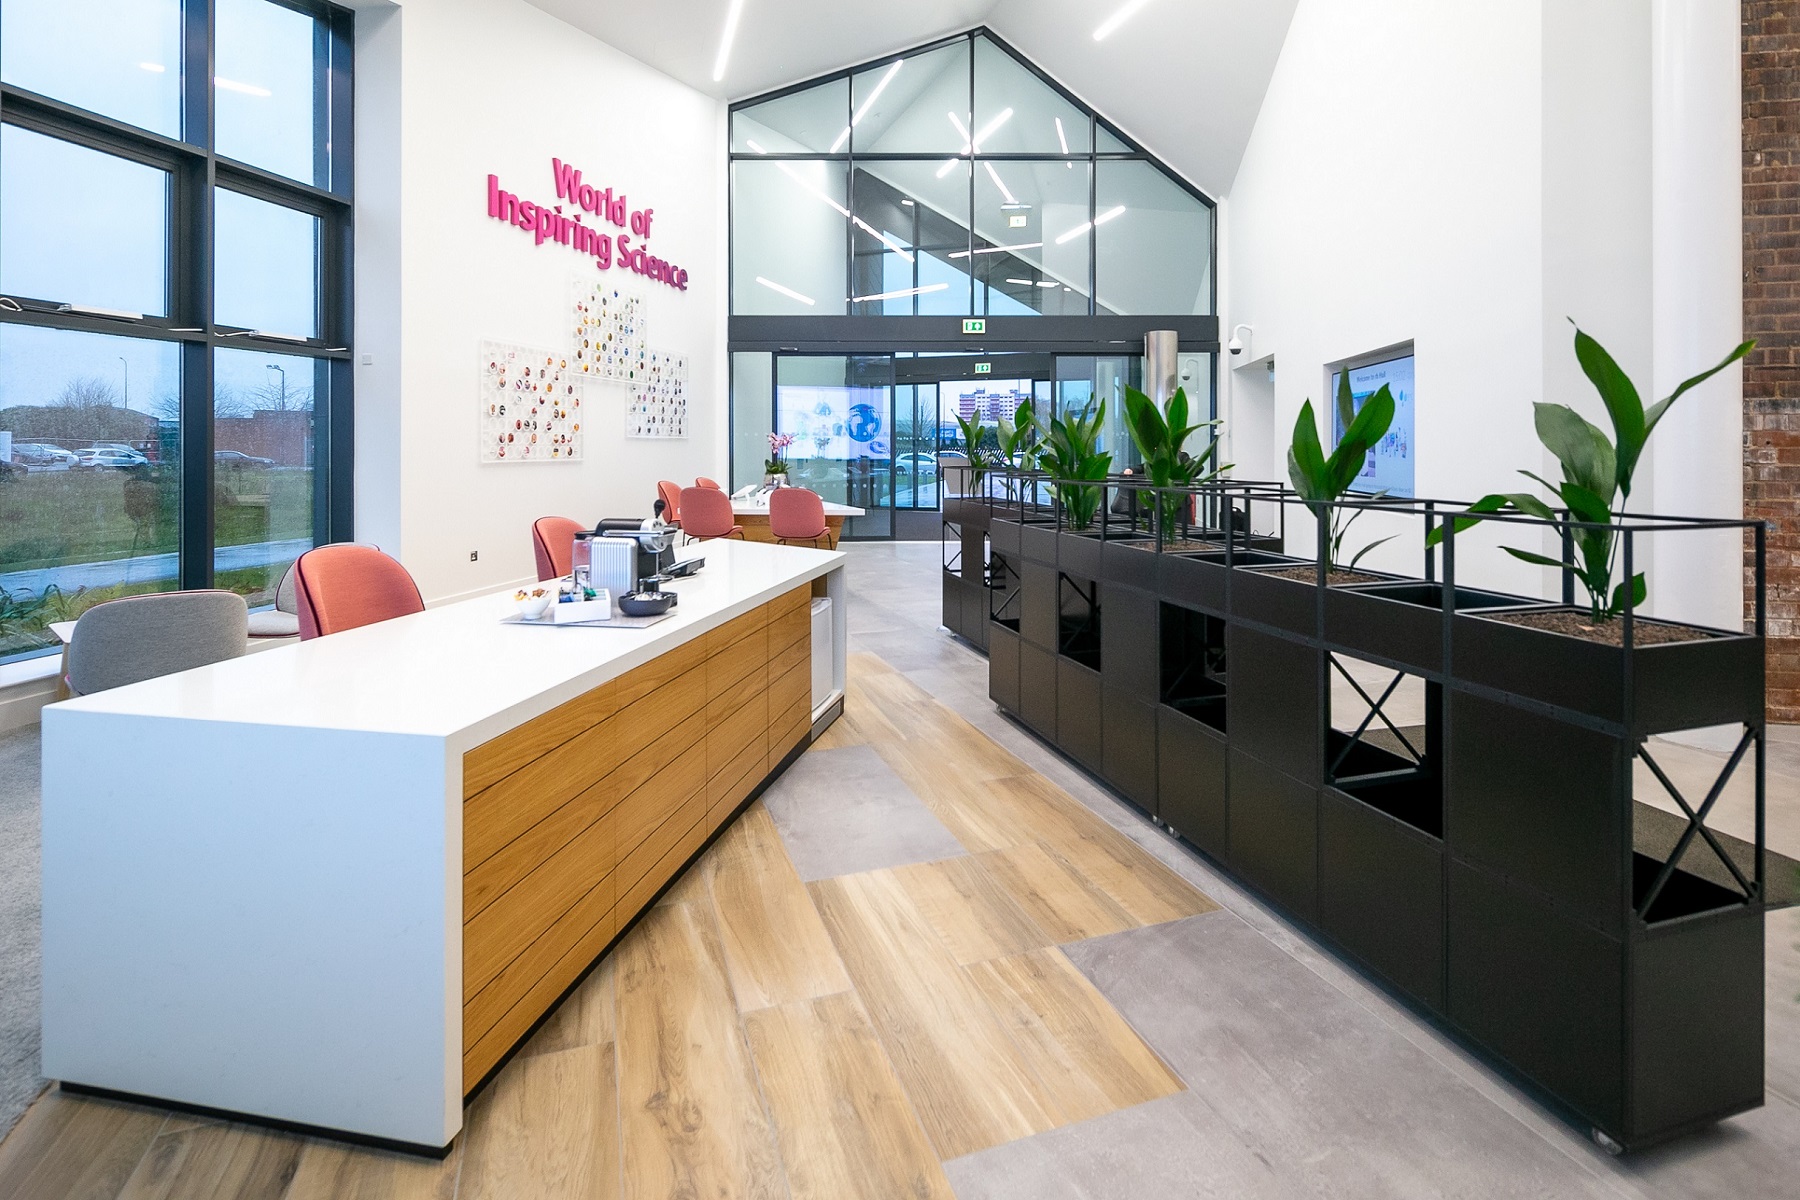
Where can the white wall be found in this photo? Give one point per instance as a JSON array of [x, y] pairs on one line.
[[475, 87], [1466, 177]]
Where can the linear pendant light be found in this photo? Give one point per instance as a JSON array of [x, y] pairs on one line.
[[868, 103], [725, 39], [1126, 12]]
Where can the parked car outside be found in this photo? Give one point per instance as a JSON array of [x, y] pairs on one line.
[[42, 456], [924, 465], [94, 457], [238, 459]]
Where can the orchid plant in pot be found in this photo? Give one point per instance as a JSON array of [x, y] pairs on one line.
[[775, 470]]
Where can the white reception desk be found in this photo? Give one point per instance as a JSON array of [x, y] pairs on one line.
[[333, 884]]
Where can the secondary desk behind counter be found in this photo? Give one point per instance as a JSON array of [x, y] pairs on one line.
[[335, 884]]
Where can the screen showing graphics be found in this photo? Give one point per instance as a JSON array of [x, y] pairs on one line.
[[834, 422], [1389, 467]]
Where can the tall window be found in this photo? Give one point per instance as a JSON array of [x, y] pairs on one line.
[[175, 221], [955, 180]]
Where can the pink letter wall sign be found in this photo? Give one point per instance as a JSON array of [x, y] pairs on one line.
[[549, 223]]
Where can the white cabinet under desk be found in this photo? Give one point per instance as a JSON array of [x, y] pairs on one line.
[[334, 884]]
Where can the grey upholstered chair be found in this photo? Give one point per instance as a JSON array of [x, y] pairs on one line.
[[284, 619], [142, 637]]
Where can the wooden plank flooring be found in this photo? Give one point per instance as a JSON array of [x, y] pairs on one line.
[[754, 1037]]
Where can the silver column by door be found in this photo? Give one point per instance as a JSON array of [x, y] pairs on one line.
[[1162, 352]]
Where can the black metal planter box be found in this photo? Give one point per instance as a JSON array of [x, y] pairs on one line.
[[1493, 878]]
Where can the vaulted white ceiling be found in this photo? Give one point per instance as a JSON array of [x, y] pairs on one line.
[[1185, 78]]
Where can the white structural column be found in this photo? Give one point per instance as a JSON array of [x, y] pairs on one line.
[[1697, 265]]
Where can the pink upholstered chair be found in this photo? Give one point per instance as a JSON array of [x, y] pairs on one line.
[[553, 540], [345, 586], [703, 481], [706, 513], [797, 515], [670, 495]]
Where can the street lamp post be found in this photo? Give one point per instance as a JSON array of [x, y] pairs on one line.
[[279, 371], [127, 367]]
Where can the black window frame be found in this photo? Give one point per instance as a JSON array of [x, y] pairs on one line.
[[196, 169]]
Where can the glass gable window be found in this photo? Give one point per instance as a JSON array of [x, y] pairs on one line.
[[174, 299], [956, 180]]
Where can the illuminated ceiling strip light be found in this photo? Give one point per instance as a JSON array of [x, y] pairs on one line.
[[149, 66], [1062, 137], [998, 249], [725, 39], [995, 176], [989, 129], [751, 142], [1082, 228], [1049, 283], [918, 291], [1021, 282], [790, 293], [1043, 283], [794, 175], [883, 238], [248, 89], [962, 131], [867, 104], [1126, 12]]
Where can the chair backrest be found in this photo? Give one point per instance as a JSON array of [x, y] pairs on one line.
[[142, 637], [796, 513], [287, 597], [346, 586], [706, 512], [553, 540], [670, 495], [703, 481]]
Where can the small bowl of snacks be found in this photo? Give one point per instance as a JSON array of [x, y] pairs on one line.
[[533, 603]]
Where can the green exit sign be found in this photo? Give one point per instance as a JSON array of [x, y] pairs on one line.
[[974, 325], [984, 368]]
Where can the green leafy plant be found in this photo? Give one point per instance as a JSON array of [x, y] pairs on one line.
[[980, 461], [1017, 434], [1161, 436], [1597, 473], [1322, 481], [1068, 451]]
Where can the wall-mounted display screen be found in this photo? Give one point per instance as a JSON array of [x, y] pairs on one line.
[[1389, 466], [834, 422]]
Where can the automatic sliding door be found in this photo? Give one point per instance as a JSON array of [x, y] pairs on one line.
[[840, 409]]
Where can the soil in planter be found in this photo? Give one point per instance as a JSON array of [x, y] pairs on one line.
[[1333, 578], [1607, 633], [1176, 546]]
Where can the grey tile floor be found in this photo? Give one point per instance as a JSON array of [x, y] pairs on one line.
[[1304, 1080]]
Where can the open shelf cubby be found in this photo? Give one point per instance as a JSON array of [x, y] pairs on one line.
[[1002, 575], [1381, 743], [1078, 620], [1194, 681]]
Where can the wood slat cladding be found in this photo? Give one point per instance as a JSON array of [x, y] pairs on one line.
[[574, 821]]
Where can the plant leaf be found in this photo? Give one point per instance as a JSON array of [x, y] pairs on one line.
[[1538, 559], [1639, 590], [1587, 457], [1369, 547], [1369, 426], [1493, 502], [1623, 404], [1346, 399], [1306, 458], [1662, 406]]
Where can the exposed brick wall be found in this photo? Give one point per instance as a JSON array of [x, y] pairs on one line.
[[1771, 45]]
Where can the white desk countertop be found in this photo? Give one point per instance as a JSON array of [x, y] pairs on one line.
[[458, 672], [758, 506]]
